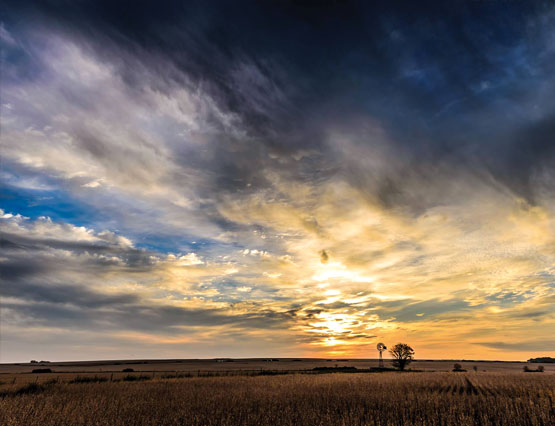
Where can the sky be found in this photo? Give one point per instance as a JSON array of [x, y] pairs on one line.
[[277, 179]]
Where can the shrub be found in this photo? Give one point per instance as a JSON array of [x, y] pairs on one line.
[[270, 372], [29, 388], [130, 378], [335, 369], [527, 369], [128, 370], [42, 370], [88, 379]]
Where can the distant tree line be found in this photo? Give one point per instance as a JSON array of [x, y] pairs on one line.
[[543, 360]]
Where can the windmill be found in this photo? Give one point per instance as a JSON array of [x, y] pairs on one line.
[[381, 347]]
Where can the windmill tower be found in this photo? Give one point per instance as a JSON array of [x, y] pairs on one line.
[[381, 347]]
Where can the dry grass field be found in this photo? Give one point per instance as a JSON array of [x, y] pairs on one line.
[[389, 398]]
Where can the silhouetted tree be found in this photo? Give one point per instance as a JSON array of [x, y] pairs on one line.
[[402, 355], [458, 367], [541, 369]]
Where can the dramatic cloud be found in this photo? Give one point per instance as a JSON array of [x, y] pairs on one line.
[[277, 179]]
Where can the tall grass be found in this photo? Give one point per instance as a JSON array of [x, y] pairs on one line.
[[346, 399]]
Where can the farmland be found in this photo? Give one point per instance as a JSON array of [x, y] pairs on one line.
[[502, 394], [245, 364]]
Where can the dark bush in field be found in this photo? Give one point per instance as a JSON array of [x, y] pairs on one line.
[[28, 389], [176, 376], [128, 370], [335, 369], [88, 379], [131, 378], [271, 372], [42, 370], [527, 369]]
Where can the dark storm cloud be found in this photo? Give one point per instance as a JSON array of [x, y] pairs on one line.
[[66, 294], [75, 307], [41, 302], [26, 245], [527, 152], [425, 70], [21, 268]]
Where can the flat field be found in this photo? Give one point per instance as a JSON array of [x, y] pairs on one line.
[[253, 364], [264, 396]]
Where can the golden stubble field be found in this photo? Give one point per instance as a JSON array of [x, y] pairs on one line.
[[327, 399], [389, 398]]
